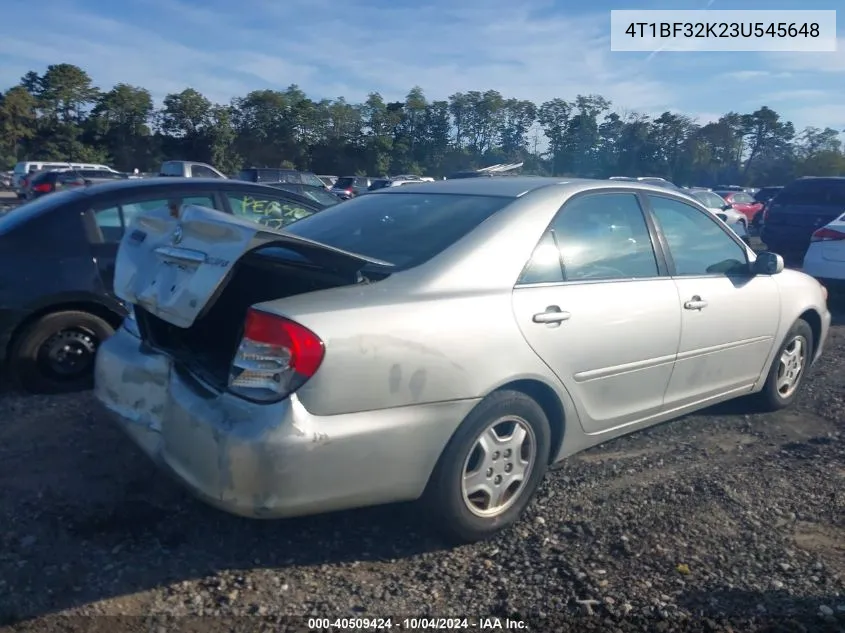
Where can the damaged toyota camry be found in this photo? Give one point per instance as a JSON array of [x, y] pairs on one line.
[[445, 344]]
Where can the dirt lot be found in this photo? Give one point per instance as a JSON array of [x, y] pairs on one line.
[[718, 520]]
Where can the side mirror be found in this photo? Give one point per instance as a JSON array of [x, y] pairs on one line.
[[727, 206], [767, 264]]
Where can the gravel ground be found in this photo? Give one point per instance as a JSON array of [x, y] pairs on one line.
[[717, 522]]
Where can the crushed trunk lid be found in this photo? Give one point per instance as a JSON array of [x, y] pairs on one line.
[[174, 267]]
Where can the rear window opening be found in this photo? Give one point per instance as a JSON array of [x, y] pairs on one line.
[[344, 183], [207, 348]]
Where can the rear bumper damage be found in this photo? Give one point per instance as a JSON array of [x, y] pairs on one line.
[[267, 461]]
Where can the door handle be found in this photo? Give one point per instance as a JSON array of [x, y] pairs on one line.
[[696, 303], [553, 314]]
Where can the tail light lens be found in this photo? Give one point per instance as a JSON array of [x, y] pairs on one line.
[[43, 188], [275, 358], [827, 235]]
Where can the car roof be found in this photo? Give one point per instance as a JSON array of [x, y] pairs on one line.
[[170, 182], [516, 186]]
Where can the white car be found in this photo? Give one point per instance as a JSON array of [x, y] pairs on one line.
[[719, 207], [825, 258]]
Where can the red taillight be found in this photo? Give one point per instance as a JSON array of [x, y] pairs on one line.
[[43, 188], [349, 191], [827, 235], [275, 358]]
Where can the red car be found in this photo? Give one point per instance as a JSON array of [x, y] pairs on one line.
[[742, 202]]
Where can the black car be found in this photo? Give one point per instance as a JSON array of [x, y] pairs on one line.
[[766, 194], [799, 210], [57, 259], [347, 187]]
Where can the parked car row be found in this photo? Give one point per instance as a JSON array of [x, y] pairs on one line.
[[347, 360]]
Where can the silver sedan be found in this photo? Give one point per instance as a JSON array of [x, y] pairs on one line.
[[446, 343]]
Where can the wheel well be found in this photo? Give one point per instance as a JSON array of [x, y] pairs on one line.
[[815, 322], [551, 405], [109, 316]]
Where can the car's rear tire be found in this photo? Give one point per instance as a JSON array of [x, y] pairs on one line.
[[476, 490], [55, 353], [789, 369]]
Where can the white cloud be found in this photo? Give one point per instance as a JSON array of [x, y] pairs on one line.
[[745, 75], [833, 62]]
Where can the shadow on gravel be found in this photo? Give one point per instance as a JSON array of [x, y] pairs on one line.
[[86, 516], [774, 610]]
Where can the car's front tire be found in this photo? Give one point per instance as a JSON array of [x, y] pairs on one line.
[[491, 468], [789, 369]]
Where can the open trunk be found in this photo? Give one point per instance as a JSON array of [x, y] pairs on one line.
[[192, 278]]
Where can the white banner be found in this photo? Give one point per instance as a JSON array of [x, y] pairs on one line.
[[734, 31]]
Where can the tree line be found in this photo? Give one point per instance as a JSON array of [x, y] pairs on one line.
[[62, 115]]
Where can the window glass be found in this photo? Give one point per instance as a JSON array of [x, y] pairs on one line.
[[201, 171], [545, 264], [604, 236], [113, 220], [812, 191], [698, 244], [311, 180], [133, 209], [404, 229], [110, 224], [172, 169], [273, 212]]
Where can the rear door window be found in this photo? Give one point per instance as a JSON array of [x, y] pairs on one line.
[[595, 237], [113, 220], [273, 211]]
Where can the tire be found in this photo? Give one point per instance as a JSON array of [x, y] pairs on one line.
[[445, 499], [81, 332], [773, 398]]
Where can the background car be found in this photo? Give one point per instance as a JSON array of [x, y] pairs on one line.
[[721, 209], [57, 258], [743, 202], [45, 182], [803, 207], [825, 257], [347, 360], [188, 169], [328, 181], [347, 187], [279, 175]]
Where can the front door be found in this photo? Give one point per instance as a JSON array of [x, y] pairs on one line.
[[593, 304], [729, 317]]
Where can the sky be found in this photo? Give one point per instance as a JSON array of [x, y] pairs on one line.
[[531, 49]]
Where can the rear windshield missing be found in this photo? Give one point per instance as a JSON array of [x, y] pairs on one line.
[[405, 229], [22, 214], [813, 192]]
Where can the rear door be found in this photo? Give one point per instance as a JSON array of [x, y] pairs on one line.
[[799, 210], [172, 266], [109, 218], [595, 304], [729, 316]]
